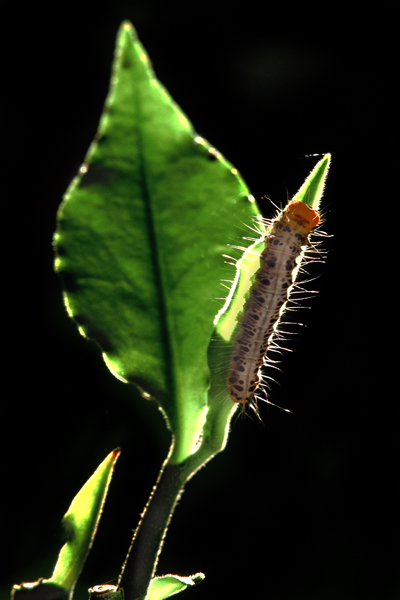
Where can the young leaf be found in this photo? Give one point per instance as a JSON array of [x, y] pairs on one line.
[[140, 239], [81, 521], [227, 320], [168, 585], [310, 193], [312, 189]]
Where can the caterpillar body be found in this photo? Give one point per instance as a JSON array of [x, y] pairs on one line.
[[284, 244]]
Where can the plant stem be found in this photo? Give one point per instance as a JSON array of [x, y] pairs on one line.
[[141, 561]]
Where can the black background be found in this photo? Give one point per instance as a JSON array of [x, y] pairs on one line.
[[307, 505]]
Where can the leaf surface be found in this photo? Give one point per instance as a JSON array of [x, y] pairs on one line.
[[168, 585], [140, 240], [81, 522]]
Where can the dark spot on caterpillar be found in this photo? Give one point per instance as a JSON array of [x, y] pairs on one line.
[[211, 156], [254, 316], [248, 329], [289, 265]]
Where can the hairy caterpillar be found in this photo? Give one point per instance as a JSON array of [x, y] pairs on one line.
[[284, 242]]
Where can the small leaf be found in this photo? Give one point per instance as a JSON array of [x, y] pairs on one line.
[[312, 189], [168, 585], [310, 193], [81, 521], [140, 240], [227, 319]]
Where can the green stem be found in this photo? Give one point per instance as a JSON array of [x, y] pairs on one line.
[[141, 561]]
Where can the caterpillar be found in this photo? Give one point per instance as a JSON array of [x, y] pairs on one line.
[[279, 261]]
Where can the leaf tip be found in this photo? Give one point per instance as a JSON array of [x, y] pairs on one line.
[[127, 27], [126, 34], [114, 454], [313, 187]]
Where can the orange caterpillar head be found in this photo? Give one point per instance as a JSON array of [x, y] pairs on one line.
[[302, 217]]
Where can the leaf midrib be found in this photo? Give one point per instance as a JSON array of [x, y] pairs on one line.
[[155, 253]]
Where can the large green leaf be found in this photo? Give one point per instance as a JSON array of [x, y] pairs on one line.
[[140, 240]]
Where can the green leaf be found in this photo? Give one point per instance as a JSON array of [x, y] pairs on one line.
[[168, 585], [81, 522], [140, 240], [312, 189], [310, 193], [227, 319]]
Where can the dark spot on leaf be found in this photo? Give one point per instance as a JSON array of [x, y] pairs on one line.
[[102, 139], [69, 281], [126, 63], [94, 332], [68, 533], [99, 174]]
